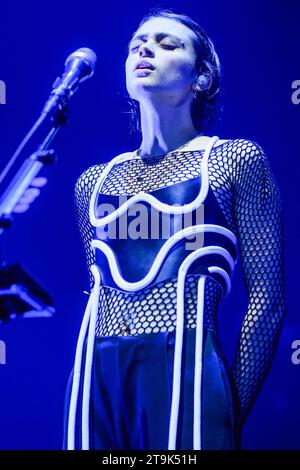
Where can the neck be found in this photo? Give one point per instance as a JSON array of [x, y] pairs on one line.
[[165, 128]]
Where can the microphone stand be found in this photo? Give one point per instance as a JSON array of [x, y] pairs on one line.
[[20, 294]]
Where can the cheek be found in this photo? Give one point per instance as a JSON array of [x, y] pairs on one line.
[[128, 76], [127, 65], [128, 70], [179, 70]]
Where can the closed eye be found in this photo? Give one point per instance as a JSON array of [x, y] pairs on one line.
[[165, 46], [169, 46]]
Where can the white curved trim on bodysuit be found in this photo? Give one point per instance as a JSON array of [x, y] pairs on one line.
[[143, 196], [90, 315], [162, 254]]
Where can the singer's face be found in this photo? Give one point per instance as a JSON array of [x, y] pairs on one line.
[[167, 45]]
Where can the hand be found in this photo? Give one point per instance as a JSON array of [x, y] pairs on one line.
[[30, 194]]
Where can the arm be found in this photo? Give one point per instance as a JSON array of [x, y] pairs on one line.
[[82, 194], [259, 226]]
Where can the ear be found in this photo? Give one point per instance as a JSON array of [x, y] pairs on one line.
[[202, 83], [196, 86]]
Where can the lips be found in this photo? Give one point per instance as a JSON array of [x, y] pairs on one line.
[[144, 65]]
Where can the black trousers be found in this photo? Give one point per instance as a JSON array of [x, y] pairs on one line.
[[131, 394]]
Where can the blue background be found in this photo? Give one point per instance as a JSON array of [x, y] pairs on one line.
[[258, 44]]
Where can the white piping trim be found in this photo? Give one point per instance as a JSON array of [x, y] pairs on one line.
[[142, 196], [132, 286], [76, 375], [227, 279], [89, 360], [198, 365], [173, 426], [178, 343]]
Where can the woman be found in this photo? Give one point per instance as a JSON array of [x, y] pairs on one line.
[[151, 373]]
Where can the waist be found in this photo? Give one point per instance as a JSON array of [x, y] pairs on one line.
[[153, 310]]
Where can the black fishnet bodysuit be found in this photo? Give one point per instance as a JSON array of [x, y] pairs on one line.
[[242, 181]]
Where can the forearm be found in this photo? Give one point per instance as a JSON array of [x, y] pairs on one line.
[[256, 347]]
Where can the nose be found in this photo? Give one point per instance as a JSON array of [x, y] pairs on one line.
[[145, 50]]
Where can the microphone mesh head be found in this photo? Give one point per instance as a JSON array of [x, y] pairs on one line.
[[86, 54]]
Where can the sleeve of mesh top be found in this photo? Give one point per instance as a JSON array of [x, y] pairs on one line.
[[260, 232], [82, 194]]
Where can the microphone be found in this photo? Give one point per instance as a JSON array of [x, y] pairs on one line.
[[79, 66]]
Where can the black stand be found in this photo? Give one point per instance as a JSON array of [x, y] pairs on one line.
[[20, 294]]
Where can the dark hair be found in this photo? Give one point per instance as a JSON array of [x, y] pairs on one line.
[[204, 107]]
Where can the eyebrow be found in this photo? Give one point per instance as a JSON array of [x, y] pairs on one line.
[[161, 35]]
